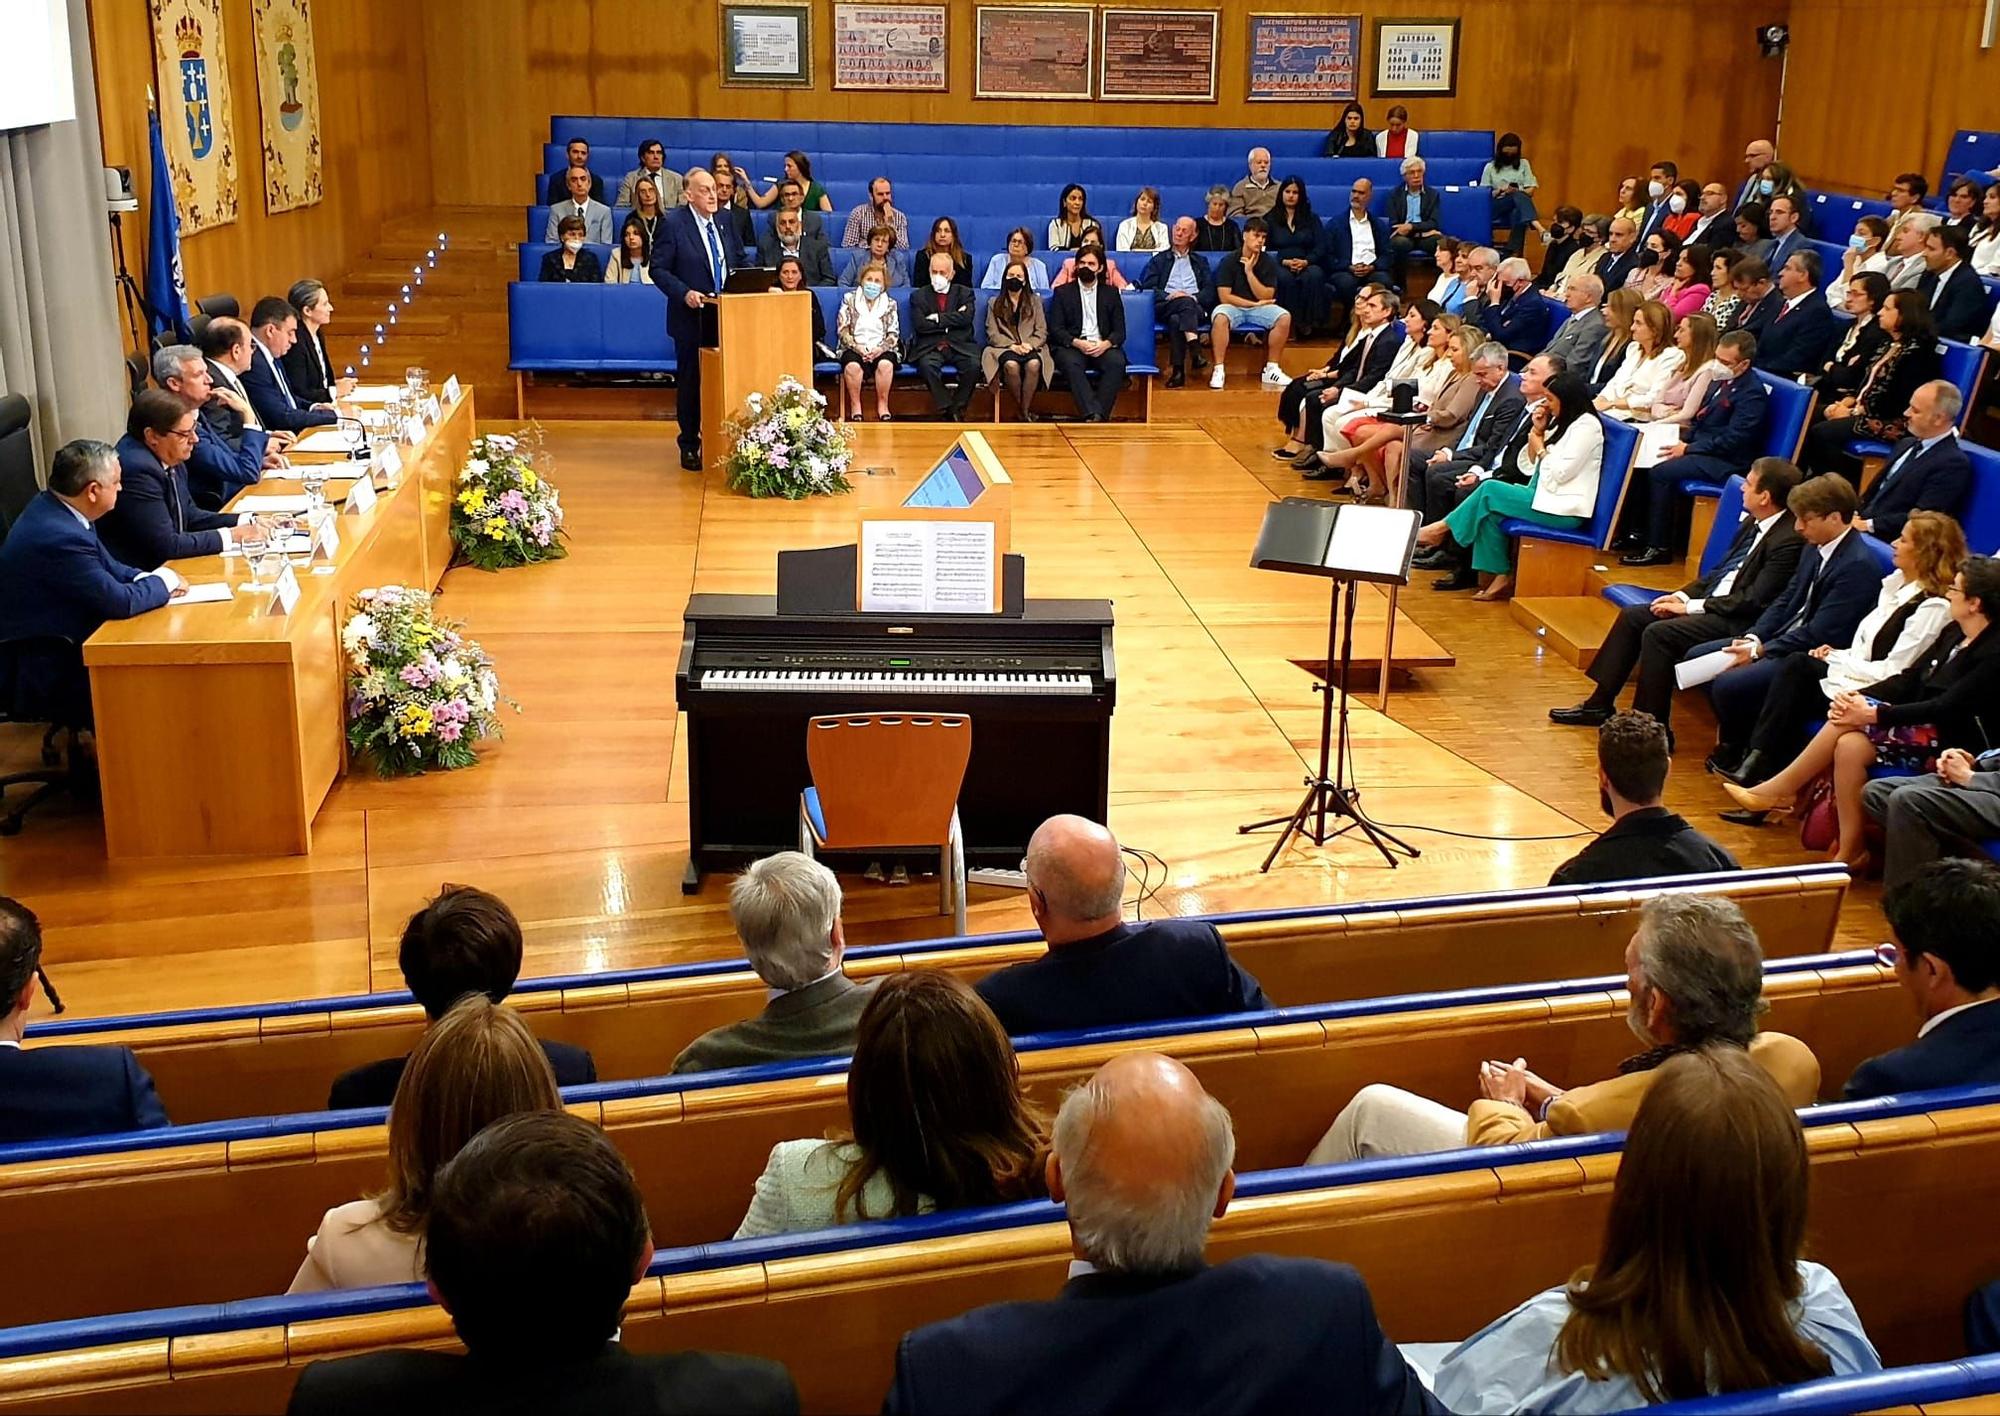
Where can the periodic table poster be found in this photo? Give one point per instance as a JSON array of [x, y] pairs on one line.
[[1416, 58]]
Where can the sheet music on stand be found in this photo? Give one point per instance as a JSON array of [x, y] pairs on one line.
[[928, 567]]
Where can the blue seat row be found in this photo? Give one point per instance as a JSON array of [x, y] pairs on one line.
[[1621, 445], [1973, 153], [256, 1313], [1930, 1386], [1131, 264]]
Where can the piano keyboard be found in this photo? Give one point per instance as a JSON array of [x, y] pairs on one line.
[[822, 681]]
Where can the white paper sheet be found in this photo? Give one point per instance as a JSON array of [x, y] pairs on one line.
[[1692, 673], [374, 393], [269, 504], [1370, 540], [213, 592], [927, 567], [1654, 440]]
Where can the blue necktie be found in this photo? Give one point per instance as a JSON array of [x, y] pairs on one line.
[[1898, 464], [1472, 425], [714, 255], [283, 387], [1738, 553]]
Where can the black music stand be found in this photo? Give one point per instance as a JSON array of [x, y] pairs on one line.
[[1346, 544]]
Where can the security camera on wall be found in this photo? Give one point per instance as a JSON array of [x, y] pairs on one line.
[[1772, 39], [118, 190]]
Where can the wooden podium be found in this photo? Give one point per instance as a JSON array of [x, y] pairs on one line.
[[760, 338]]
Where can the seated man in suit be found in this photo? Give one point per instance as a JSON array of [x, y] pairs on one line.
[[1653, 637], [1621, 251], [1951, 287], [578, 153], [1514, 313], [1788, 235], [1578, 340], [734, 219], [226, 348], [1750, 281], [1183, 283], [1946, 919], [792, 197], [464, 941], [536, 1235], [1952, 811], [49, 1093], [1100, 971], [155, 519], [216, 469], [786, 909], [1696, 976], [1801, 333], [1141, 1160], [1413, 218], [1359, 364], [1087, 335], [1645, 839], [1355, 250], [653, 164], [1432, 480], [273, 328], [579, 203], [1719, 442], [1926, 471], [788, 237], [941, 333]]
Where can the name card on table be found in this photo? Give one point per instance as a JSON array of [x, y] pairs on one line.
[[432, 412], [390, 463], [285, 593], [361, 495], [413, 430], [326, 539], [451, 390]]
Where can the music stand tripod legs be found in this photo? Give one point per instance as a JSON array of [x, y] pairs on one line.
[[1333, 795]]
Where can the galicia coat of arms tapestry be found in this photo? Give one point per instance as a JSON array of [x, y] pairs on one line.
[[288, 96], [195, 116]]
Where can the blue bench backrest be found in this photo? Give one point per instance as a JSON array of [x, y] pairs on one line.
[[1963, 365], [1621, 445], [1972, 153], [1981, 513], [1728, 514], [620, 328], [1785, 423], [1896, 1389], [1831, 217], [533, 251]]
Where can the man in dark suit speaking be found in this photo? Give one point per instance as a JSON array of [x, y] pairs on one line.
[[689, 265], [536, 1235], [1141, 1159]]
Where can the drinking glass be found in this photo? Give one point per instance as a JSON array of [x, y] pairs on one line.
[[313, 474]]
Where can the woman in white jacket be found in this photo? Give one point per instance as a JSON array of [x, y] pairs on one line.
[[1649, 365], [1566, 450]]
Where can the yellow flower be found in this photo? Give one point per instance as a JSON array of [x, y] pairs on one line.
[[414, 720], [497, 528], [529, 480], [473, 501]]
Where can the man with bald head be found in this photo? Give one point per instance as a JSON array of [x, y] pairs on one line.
[[1141, 1158], [1758, 154], [1183, 283], [1100, 971]]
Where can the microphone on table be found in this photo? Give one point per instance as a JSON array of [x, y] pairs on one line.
[[357, 449]]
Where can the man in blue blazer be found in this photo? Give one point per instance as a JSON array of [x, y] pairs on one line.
[[1946, 919], [1951, 287], [1413, 218], [51, 1093], [1519, 318], [1354, 247], [690, 263], [1927, 471], [1801, 333], [1183, 283], [1141, 1161], [217, 469], [1100, 971], [1721, 439], [1788, 235], [155, 519], [274, 328]]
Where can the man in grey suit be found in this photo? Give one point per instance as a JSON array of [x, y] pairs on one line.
[[1580, 338], [788, 238], [1935, 814], [786, 909]]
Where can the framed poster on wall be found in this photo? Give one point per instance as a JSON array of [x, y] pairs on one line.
[[1304, 58], [1032, 51], [899, 47], [1156, 54], [1416, 58], [767, 44]]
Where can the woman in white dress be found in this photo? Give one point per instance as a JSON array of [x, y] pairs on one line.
[[1649, 364]]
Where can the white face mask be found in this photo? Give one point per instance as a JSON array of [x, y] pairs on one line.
[[573, 245], [871, 288], [1677, 204], [940, 283], [1655, 189]]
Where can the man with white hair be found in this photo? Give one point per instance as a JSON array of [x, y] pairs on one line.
[[1413, 218], [1512, 312], [1100, 971], [1256, 194], [1906, 265], [216, 470], [786, 909], [1141, 1159], [1578, 340]]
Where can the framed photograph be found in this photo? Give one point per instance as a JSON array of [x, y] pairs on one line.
[[899, 47], [1416, 58], [1032, 51], [767, 44], [1304, 58], [1156, 54]]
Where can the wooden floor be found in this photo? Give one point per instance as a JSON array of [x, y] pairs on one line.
[[578, 818]]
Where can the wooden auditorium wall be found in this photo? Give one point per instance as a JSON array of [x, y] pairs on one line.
[[1875, 88], [373, 129], [1595, 89]]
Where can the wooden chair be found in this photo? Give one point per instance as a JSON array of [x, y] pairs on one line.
[[889, 781]]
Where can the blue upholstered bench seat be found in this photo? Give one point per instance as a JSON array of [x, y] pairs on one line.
[[1932, 1386], [1621, 444]]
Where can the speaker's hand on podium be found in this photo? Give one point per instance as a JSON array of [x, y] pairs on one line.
[[695, 299]]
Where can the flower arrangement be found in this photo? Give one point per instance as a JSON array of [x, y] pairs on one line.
[[786, 446], [505, 512], [420, 695]]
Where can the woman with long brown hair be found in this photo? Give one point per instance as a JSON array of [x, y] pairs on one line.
[[1698, 1287], [1017, 338], [475, 1065], [937, 1119]]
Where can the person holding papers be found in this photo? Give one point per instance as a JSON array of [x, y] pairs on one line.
[[154, 518]]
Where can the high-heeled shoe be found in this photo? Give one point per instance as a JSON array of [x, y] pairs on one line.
[[1501, 587], [1750, 799]]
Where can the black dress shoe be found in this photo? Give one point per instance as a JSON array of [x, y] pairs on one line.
[[1652, 555], [690, 461], [1314, 472], [1283, 454], [1748, 772], [1429, 560], [1200, 359], [1457, 580], [1724, 760], [1177, 379], [1308, 459], [1744, 817], [1583, 715], [1632, 542]]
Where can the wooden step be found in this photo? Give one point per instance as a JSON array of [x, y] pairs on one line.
[[1572, 625], [358, 321]]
